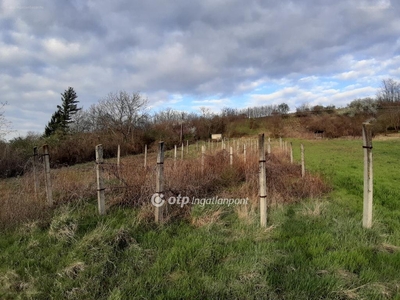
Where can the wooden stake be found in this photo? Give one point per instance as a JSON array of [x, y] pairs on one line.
[[231, 155], [262, 182], [35, 179], [118, 159], [175, 154], [158, 213], [291, 152], [100, 182], [269, 146], [145, 156], [368, 175], [203, 153], [49, 190], [182, 151], [303, 167], [244, 152]]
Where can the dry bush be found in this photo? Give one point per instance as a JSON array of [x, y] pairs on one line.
[[133, 185], [18, 203]]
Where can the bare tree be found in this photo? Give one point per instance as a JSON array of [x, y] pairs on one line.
[[389, 104], [389, 92], [169, 115], [121, 113], [5, 125]]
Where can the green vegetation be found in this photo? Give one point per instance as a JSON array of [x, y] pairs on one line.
[[316, 249], [62, 118]]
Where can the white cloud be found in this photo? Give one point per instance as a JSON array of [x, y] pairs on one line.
[[230, 53]]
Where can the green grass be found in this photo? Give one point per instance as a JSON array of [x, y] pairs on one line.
[[312, 250]]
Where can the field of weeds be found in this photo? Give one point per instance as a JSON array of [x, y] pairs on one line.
[[313, 248], [132, 185]]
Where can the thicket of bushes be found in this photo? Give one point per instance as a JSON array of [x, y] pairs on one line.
[[78, 147], [122, 119]]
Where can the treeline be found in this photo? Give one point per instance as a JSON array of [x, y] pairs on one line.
[[124, 119], [383, 111]]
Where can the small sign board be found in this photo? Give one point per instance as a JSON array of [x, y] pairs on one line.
[[216, 137]]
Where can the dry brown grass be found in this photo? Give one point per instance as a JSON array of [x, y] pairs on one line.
[[133, 185]]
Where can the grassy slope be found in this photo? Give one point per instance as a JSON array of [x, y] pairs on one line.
[[312, 250]]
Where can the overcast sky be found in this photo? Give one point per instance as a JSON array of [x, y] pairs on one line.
[[187, 54]]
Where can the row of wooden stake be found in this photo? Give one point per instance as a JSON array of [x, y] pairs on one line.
[[368, 173]]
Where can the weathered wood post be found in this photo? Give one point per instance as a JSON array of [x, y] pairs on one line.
[[280, 142], [35, 179], [100, 182], [368, 175], [182, 151], [303, 167], [49, 189], [145, 156], [231, 156], [291, 152], [244, 152], [158, 213], [118, 159], [203, 153], [175, 154], [269, 146], [263, 181]]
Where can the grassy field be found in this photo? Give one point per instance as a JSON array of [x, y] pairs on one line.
[[316, 249]]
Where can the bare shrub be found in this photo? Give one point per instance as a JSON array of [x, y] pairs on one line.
[[132, 185]]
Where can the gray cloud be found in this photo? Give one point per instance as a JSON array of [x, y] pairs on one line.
[[200, 49]]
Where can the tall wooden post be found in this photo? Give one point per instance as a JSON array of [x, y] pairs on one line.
[[118, 159], [145, 156], [262, 181], [49, 189], [182, 151], [175, 155], [244, 152], [291, 152], [35, 179], [269, 146], [158, 213], [203, 153], [368, 175], [303, 167], [100, 182], [231, 156]]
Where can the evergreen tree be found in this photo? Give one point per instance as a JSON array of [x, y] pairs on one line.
[[53, 125], [61, 119]]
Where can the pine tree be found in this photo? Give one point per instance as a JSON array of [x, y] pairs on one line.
[[53, 125], [61, 119]]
